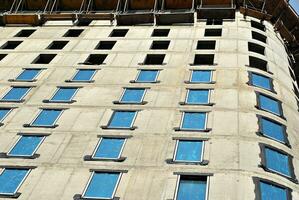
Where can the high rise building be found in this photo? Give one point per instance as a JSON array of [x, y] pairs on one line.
[[149, 100]]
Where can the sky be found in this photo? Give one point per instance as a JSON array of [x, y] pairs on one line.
[[295, 5]]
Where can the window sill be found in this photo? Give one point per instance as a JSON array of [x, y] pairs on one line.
[[259, 69], [284, 143], [119, 128], [152, 64], [291, 178], [196, 104], [152, 82], [53, 101], [269, 90], [16, 80], [202, 163], [89, 63], [189, 82], [192, 64], [74, 81], [90, 158], [80, 197], [192, 130], [13, 196], [39, 126], [130, 103], [276, 114], [12, 101], [5, 155]]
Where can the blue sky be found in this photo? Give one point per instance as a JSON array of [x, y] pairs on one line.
[[295, 5]]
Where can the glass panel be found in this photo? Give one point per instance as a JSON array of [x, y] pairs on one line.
[[10, 180], [3, 113], [122, 119], [269, 104], [84, 75], [28, 74], [147, 76], [192, 189], [261, 81], [46, 118], [64, 94], [189, 150], [16, 93], [109, 148], [272, 129], [194, 121], [272, 192], [102, 185], [133, 95], [198, 96], [201, 76], [26, 146], [277, 161]]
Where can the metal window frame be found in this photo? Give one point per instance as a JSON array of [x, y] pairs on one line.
[[280, 114], [38, 114], [191, 75], [115, 127], [176, 148], [90, 178], [250, 75], [78, 70], [27, 80], [16, 100], [3, 118], [63, 101], [192, 129], [187, 96], [127, 102], [156, 77]]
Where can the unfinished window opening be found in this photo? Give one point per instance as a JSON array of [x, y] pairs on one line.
[[258, 63], [73, 33], [256, 48], [160, 45], [204, 59], [214, 21], [11, 44], [95, 59], [154, 59], [105, 45], [44, 59], [258, 25], [2, 56], [206, 44], [119, 33], [259, 37], [160, 32], [213, 32], [25, 33], [57, 45], [83, 23]]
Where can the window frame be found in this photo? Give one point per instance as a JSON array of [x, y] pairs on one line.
[[132, 127], [141, 100], [32, 80], [258, 106], [19, 100], [53, 125], [156, 78], [63, 101], [250, 82], [190, 129], [79, 81], [187, 96], [191, 75], [186, 161]]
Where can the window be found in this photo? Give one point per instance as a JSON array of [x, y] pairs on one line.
[[122, 119], [213, 32], [132, 95], [64, 94], [258, 25], [73, 33], [204, 59], [105, 45], [83, 75], [259, 37], [11, 44], [109, 148], [147, 76], [257, 63], [272, 129], [194, 121], [197, 96], [2, 56], [269, 104], [102, 185], [25, 33], [214, 22], [47, 118], [26, 145], [95, 59], [16, 94], [11, 179], [256, 48], [160, 32], [28, 74], [119, 33], [83, 22], [3, 113], [57, 45], [207, 44], [261, 81], [271, 191], [44, 59], [191, 187], [201, 76], [277, 161], [160, 44], [188, 151], [154, 59]]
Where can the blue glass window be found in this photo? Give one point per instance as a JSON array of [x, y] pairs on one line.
[[269, 104], [47, 117], [64, 94], [102, 185], [197, 96], [147, 76], [133, 95], [122, 119], [273, 130], [189, 151], [192, 188], [11, 180], [272, 192], [27, 145], [261, 81], [201, 76], [84, 75], [277, 161], [193, 121], [16, 94], [109, 148], [28, 74], [3, 113]]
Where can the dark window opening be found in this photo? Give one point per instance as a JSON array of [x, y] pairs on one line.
[[214, 21], [256, 48], [57, 45], [259, 37], [160, 45], [105, 45], [258, 25], [95, 59], [11, 44], [83, 23], [73, 33], [206, 44], [258, 63], [154, 59], [160, 32], [44, 59], [2, 56], [119, 33], [213, 32], [204, 59], [25, 33]]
